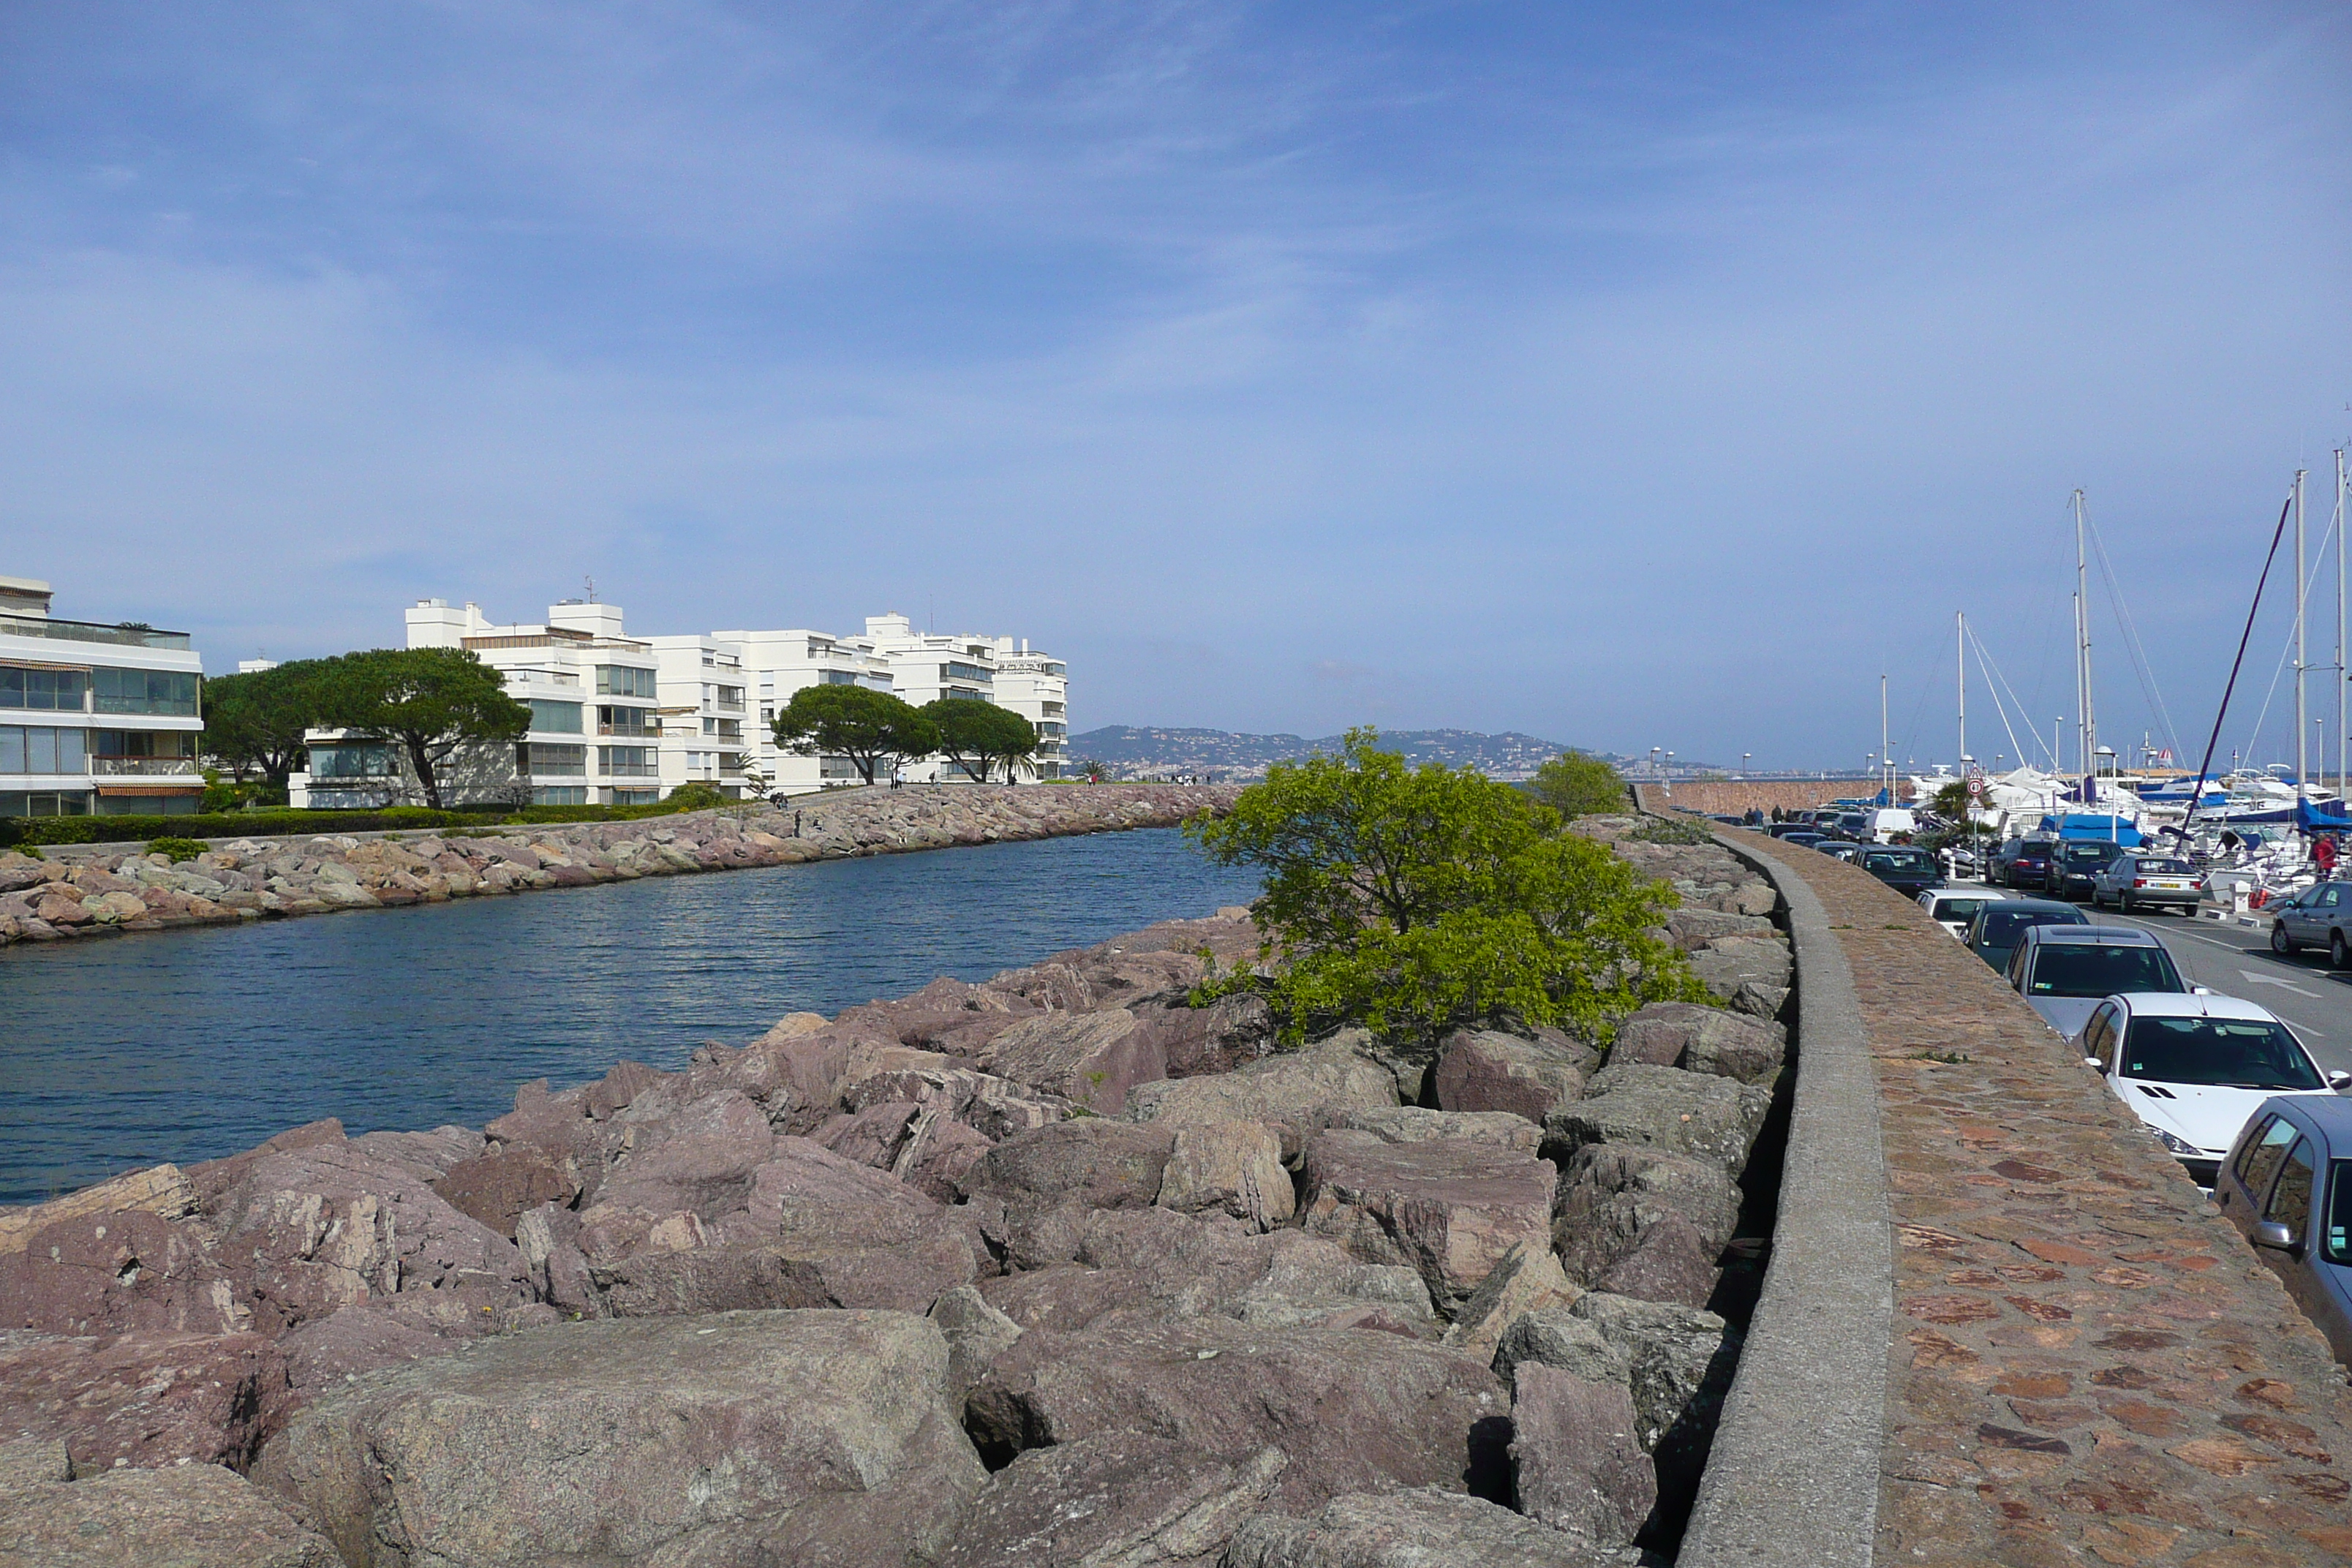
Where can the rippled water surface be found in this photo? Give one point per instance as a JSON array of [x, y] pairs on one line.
[[189, 1045]]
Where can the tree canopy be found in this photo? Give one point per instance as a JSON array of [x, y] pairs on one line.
[[868, 727], [1416, 900], [430, 700], [1577, 783], [978, 736], [255, 722]]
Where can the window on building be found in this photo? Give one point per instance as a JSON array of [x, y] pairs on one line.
[[54, 690], [27, 750], [732, 729], [183, 804], [624, 680], [44, 803], [560, 795], [352, 760], [555, 718], [618, 721], [538, 759], [169, 692], [836, 677], [631, 797], [142, 742], [625, 761], [959, 671]]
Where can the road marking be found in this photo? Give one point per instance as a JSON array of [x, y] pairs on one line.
[[2286, 985]]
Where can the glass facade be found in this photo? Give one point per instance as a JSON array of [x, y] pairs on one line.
[[349, 760], [555, 718], [538, 760], [45, 802], [149, 804], [625, 761], [166, 691], [628, 721], [633, 796], [560, 795], [624, 680], [27, 750], [56, 691], [142, 742]]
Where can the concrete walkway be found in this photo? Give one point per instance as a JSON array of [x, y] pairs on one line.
[[2087, 1365]]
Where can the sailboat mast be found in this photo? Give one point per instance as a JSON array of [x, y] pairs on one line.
[[1960, 632], [2086, 727], [1886, 761], [2341, 674], [2301, 587]]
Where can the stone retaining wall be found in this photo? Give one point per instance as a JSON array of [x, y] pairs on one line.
[[78, 890], [2084, 1362]]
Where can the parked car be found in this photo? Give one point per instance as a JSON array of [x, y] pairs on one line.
[[1853, 824], [2143, 881], [1953, 908], [2194, 1068], [2064, 972], [2319, 916], [1902, 868], [2074, 862], [2287, 1186], [1880, 826], [1803, 839], [1993, 933], [1839, 849], [2022, 863]]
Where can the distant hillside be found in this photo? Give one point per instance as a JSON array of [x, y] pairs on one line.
[[1128, 753]]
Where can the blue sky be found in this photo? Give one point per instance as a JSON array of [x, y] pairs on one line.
[[1626, 374]]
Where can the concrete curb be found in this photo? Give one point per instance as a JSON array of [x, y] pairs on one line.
[[1793, 1479]]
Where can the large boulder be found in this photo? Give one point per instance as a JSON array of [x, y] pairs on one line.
[[1709, 1118], [1421, 1528], [715, 1440], [1554, 1336], [185, 1516], [1350, 1412], [1088, 1058], [144, 1399], [976, 1332], [1418, 1124], [873, 1241], [163, 1191], [500, 1187], [1680, 1362], [1229, 1033], [1450, 1210], [1693, 928], [1701, 1039], [1522, 1282], [1120, 1497], [1749, 973], [1298, 1093], [698, 1159], [1638, 1221], [1578, 1464], [307, 1232], [1482, 1070], [1033, 1191], [111, 1272], [1228, 1167]]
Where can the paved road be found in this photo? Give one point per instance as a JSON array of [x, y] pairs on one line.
[[2237, 961]]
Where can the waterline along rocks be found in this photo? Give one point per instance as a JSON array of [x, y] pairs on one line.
[[1051, 1268], [79, 891]]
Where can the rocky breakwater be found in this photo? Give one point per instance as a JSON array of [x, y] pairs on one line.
[[77, 892], [1054, 1269]]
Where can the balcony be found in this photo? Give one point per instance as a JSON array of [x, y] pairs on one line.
[[143, 767], [632, 731], [726, 706], [127, 635]]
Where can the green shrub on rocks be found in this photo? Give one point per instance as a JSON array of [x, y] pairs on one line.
[[179, 849], [695, 797], [1575, 783], [1417, 900]]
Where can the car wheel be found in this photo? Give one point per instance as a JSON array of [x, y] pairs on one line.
[[2124, 902], [2280, 943], [2339, 954]]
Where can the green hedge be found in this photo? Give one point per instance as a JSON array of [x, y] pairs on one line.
[[304, 824]]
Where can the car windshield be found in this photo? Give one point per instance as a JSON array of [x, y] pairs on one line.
[[1959, 908], [2233, 1053], [2165, 868], [2083, 969], [2086, 854], [2001, 926], [1900, 861]]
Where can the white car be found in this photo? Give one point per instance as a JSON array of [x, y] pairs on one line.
[[2194, 1068], [2142, 880], [1952, 908]]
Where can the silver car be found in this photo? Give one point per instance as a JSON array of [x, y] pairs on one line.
[[2319, 916], [2287, 1184], [2064, 972], [2138, 881]]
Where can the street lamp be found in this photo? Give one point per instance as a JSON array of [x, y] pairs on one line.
[[1743, 763]]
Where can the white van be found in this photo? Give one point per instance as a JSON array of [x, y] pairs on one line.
[[1881, 826]]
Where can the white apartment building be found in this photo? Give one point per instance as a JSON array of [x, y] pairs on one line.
[[94, 718], [777, 663], [928, 666], [704, 712], [596, 731]]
